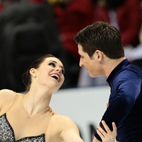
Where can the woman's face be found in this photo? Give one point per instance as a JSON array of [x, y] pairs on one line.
[[50, 73]]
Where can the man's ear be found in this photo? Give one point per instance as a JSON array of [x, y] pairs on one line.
[[98, 55]]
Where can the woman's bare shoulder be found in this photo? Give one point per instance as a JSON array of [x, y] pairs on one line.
[[6, 95], [6, 92], [65, 128], [62, 120], [58, 116]]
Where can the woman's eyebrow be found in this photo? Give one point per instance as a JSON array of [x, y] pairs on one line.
[[56, 63]]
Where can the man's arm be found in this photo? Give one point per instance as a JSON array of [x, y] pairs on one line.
[[121, 103]]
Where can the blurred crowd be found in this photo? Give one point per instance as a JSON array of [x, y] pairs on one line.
[[30, 28]]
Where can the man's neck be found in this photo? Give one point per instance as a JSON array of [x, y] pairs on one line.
[[111, 64]]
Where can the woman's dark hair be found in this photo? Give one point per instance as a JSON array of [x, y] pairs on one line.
[[101, 36], [26, 77]]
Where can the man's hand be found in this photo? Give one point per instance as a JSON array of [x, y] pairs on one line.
[[108, 136]]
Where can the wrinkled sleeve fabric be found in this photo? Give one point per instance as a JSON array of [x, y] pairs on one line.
[[124, 92]]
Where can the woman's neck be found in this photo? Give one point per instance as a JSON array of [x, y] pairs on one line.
[[36, 101]]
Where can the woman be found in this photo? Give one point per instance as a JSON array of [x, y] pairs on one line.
[[29, 118]]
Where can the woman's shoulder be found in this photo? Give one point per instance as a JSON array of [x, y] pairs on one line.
[[59, 117], [62, 120], [6, 93], [64, 127], [6, 96]]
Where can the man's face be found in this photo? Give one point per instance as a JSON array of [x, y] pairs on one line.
[[91, 64]]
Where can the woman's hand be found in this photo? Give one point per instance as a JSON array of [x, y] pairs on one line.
[[108, 136]]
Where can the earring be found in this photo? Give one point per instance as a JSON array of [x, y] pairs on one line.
[[34, 75]]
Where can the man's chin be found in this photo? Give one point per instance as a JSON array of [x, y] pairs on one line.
[[91, 75]]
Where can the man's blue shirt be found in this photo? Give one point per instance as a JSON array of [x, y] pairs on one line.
[[125, 102]]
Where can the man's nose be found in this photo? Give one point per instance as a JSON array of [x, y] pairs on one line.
[[80, 63]]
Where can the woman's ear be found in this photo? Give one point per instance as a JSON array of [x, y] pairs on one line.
[[32, 72]]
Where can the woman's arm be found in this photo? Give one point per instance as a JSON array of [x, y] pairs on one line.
[[70, 132]]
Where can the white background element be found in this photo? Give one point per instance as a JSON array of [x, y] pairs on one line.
[[84, 106]]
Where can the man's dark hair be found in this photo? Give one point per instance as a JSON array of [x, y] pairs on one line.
[[101, 36]]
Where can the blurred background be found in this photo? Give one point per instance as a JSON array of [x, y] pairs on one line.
[[31, 28]]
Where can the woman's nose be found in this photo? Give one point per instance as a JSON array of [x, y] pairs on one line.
[[59, 69]]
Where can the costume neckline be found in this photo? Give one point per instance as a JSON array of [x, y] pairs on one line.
[[13, 133], [117, 69]]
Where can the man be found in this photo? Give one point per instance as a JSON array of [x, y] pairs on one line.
[[102, 54]]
